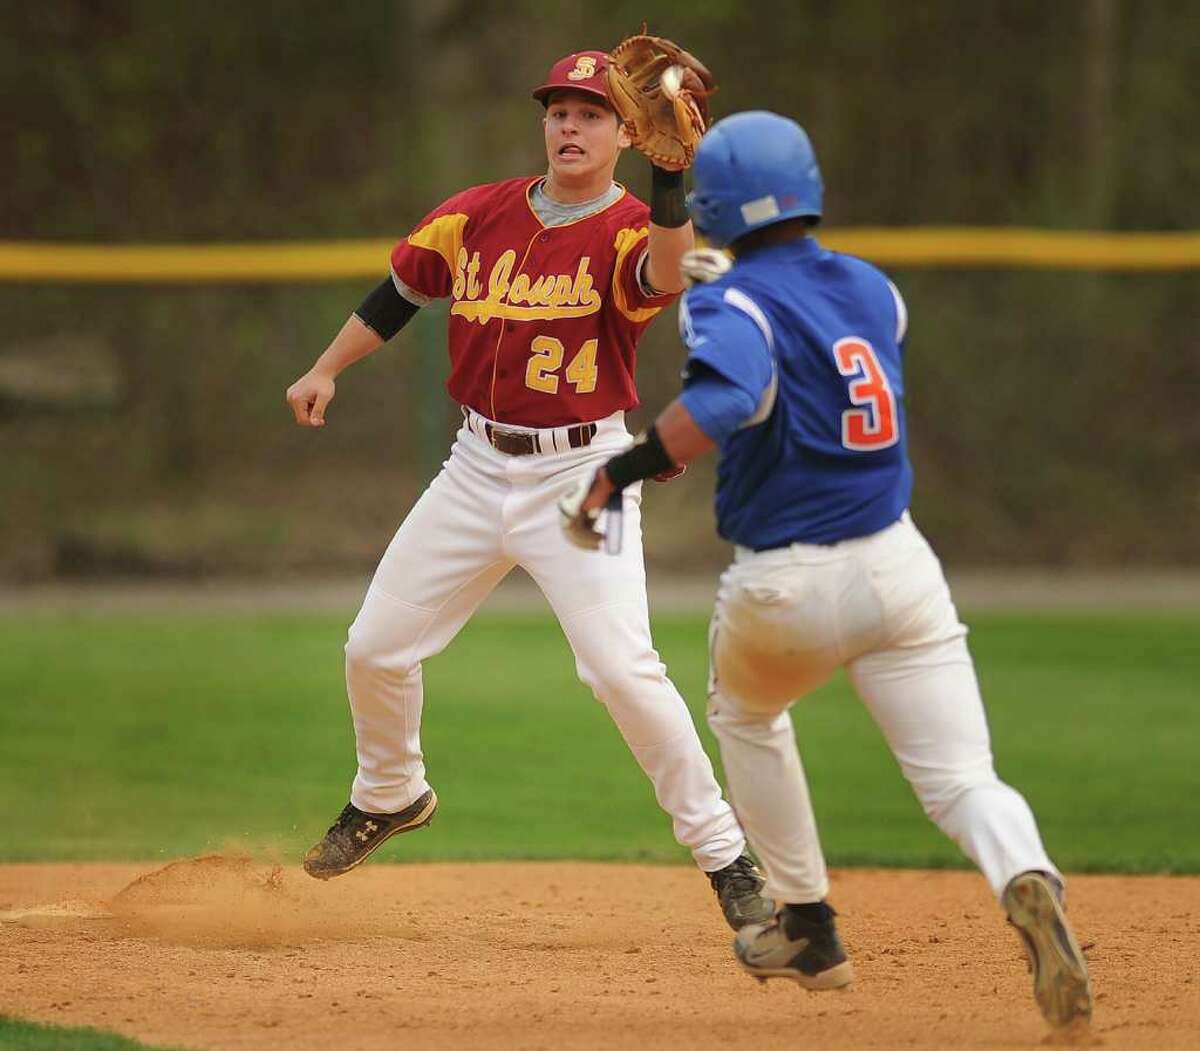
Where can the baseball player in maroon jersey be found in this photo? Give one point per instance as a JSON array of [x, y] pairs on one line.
[[552, 280]]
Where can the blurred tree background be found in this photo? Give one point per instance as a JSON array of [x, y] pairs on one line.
[[143, 429]]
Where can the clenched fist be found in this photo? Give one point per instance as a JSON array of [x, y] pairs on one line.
[[308, 397]]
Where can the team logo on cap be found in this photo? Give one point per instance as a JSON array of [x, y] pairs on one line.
[[585, 68]]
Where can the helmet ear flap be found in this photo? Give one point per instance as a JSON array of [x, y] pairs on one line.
[[716, 216], [705, 212]]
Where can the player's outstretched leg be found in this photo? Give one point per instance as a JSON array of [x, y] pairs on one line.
[[926, 700], [801, 944], [659, 731], [1060, 978], [444, 560], [600, 601]]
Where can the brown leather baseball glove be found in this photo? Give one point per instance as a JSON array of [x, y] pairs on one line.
[[661, 93]]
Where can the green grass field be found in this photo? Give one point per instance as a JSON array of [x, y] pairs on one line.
[[25, 1036], [130, 737]]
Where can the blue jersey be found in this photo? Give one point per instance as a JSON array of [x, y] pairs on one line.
[[811, 340]]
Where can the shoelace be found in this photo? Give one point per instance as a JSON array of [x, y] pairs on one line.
[[341, 827]]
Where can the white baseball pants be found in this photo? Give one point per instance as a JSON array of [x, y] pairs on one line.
[[485, 513], [785, 620]]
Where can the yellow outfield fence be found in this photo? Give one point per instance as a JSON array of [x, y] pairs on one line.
[[283, 262]]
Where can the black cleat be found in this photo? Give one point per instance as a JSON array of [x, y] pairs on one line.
[[739, 890], [1060, 978], [355, 835], [809, 953]]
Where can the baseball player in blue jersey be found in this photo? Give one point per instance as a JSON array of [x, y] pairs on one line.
[[794, 373]]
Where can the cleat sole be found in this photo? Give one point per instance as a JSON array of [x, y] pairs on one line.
[[836, 977], [1061, 985]]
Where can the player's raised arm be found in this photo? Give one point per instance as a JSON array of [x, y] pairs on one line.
[[660, 92], [671, 233]]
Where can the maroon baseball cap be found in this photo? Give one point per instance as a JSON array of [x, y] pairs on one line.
[[582, 71]]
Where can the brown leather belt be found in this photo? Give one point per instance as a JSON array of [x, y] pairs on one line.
[[521, 443]]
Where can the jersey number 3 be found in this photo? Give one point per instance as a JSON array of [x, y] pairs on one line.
[[874, 426]]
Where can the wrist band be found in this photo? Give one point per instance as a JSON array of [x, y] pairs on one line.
[[668, 205], [644, 459]]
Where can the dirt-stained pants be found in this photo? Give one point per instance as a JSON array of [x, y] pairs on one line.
[[785, 620]]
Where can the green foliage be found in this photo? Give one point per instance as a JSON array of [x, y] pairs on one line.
[[27, 1036], [133, 737], [169, 123], [1047, 418]]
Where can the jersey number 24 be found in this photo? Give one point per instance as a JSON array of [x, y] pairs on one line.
[[874, 425], [548, 352]]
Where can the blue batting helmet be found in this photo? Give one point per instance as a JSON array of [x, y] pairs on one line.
[[753, 169]]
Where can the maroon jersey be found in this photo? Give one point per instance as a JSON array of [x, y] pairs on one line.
[[544, 321]]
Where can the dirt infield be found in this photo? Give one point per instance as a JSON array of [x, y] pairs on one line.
[[231, 954]]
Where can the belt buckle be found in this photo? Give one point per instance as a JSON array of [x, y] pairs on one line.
[[512, 443]]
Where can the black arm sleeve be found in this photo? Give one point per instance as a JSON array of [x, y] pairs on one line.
[[668, 205], [385, 311]]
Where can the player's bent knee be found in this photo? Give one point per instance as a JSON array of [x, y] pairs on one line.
[[369, 655], [624, 683], [733, 718], [941, 795]]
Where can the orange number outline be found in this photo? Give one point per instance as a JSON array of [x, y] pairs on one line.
[[874, 426]]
